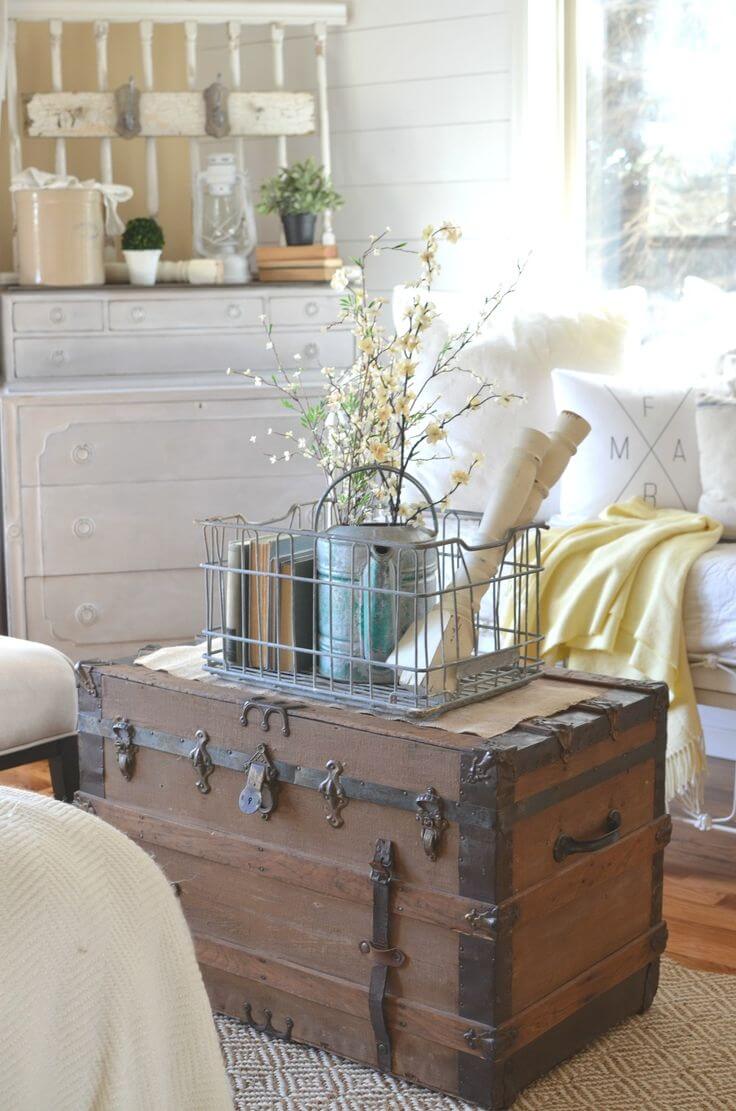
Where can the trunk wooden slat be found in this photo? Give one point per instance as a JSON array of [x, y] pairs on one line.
[[479, 944]]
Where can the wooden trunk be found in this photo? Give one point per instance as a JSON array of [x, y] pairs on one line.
[[460, 911]]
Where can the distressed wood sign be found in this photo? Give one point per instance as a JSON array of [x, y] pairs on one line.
[[68, 115]]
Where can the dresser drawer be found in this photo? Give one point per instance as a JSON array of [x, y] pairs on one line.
[[303, 310], [150, 315], [143, 608], [57, 316], [144, 441], [146, 525], [125, 356]]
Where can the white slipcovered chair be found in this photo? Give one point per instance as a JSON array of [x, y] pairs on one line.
[[38, 711]]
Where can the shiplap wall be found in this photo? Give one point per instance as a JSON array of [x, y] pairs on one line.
[[422, 118], [421, 107]]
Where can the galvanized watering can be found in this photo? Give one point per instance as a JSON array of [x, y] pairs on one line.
[[375, 580]]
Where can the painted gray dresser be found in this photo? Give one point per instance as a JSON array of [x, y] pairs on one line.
[[120, 428]]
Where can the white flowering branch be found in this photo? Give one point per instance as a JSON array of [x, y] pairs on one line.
[[370, 413]]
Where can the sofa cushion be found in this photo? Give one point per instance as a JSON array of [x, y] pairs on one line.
[[709, 603], [38, 694], [643, 443], [715, 419]]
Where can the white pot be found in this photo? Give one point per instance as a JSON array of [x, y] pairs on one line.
[[142, 266]]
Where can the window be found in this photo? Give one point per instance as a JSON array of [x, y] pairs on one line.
[[660, 141]]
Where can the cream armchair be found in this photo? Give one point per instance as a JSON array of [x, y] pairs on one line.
[[38, 711]]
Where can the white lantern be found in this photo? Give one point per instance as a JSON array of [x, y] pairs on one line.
[[224, 219]]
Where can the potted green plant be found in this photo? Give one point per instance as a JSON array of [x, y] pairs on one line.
[[298, 193], [142, 243]]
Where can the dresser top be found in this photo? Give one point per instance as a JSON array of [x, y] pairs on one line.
[[167, 291]]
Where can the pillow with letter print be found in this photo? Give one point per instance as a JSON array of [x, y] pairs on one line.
[[716, 424], [516, 352], [643, 443]]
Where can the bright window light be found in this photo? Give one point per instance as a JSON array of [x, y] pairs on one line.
[[660, 141]]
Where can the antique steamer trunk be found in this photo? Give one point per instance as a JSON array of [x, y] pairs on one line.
[[458, 910]]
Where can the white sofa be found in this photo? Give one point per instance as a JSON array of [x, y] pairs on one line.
[[519, 353]]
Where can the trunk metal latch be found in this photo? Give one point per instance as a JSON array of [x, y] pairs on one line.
[[259, 794]]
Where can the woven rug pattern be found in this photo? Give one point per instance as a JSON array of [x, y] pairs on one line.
[[680, 1055]]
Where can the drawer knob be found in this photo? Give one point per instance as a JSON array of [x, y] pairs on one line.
[[86, 614], [311, 308], [58, 357], [56, 316], [83, 527], [137, 314], [81, 453], [311, 351], [234, 312]]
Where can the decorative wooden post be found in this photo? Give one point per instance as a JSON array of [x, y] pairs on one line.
[[233, 42], [190, 30], [320, 47], [146, 33], [101, 29], [277, 41], [56, 30], [16, 155]]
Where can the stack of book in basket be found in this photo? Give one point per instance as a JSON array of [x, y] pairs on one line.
[[315, 263], [264, 604]]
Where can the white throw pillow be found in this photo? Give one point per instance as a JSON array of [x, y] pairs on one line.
[[518, 356], [643, 443], [715, 418], [695, 338]]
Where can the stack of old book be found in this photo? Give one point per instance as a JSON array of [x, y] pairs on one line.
[[269, 604], [315, 263]]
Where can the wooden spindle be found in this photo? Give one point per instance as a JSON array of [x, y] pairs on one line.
[[320, 49], [277, 44], [152, 198], [190, 32], [101, 30], [15, 151], [233, 44], [56, 30]]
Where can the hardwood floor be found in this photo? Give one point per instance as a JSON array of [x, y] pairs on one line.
[[700, 884], [29, 777], [700, 876]]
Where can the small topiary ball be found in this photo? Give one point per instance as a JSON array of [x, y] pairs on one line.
[[143, 234]]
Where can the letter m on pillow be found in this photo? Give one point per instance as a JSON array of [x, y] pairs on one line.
[[623, 451]]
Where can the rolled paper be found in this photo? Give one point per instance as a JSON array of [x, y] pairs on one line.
[[447, 635], [507, 501], [564, 440]]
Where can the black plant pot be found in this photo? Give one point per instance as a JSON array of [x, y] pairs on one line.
[[299, 228]]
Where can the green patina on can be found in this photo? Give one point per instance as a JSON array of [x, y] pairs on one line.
[[374, 581]]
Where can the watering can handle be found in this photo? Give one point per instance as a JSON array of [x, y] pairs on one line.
[[368, 469]]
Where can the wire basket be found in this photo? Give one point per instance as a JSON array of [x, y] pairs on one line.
[[351, 615]]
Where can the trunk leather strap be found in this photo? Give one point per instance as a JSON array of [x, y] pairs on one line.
[[381, 867]]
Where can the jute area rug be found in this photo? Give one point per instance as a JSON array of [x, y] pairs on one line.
[[680, 1056]]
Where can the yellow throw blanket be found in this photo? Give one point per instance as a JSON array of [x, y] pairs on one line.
[[611, 602]]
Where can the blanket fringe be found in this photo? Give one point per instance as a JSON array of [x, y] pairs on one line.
[[685, 771]]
